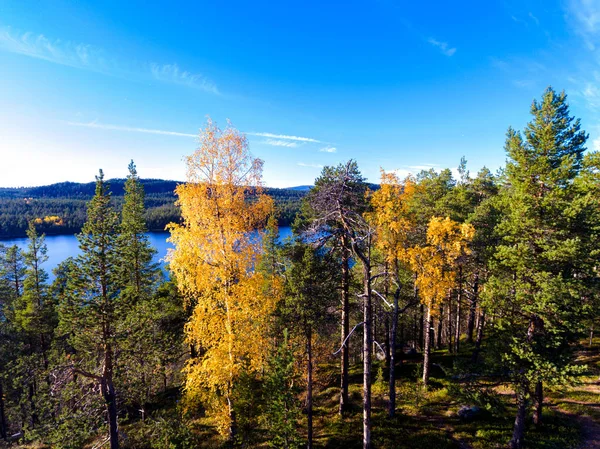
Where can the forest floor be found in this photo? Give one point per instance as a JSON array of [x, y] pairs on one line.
[[428, 419], [425, 419]]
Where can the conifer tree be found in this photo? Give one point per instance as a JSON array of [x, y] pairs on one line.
[[34, 310], [282, 410], [92, 309], [141, 355], [319, 218], [135, 253], [13, 270], [35, 320], [306, 307], [542, 264]]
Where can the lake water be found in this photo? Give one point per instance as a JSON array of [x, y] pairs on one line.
[[60, 247]]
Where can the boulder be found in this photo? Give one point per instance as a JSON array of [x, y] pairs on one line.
[[469, 412]]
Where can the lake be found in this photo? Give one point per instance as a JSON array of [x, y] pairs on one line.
[[60, 247]]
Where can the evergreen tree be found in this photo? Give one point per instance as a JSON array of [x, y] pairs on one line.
[[35, 320], [137, 270], [542, 264], [34, 310], [306, 305], [92, 311], [338, 190], [13, 270], [282, 410]]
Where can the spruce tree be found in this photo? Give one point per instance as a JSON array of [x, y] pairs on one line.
[[137, 271]]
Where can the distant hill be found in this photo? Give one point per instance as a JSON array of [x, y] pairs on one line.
[[301, 188], [61, 207], [84, 190]]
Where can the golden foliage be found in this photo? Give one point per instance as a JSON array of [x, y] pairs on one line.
[[392, 216], [216, 251], [49, 220], [435, 262]]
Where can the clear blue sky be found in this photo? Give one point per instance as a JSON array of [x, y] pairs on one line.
[[394, 84]]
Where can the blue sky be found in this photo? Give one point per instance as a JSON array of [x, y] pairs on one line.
[[396, 85]]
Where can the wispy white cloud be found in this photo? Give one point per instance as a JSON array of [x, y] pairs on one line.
[[280, 143], [171, 73], [285, 137], [302, 164], [95, 59], [584, 16], [534, 18], [292, 141], [98, 125], [443, 46], [67, 53], [328, 149], [591, 93], [517, 20]]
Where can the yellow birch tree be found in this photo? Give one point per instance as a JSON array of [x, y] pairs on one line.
[[216, 252], [435, 265], [395, 228]]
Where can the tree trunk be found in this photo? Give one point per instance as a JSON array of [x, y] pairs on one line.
[[421, 327], [473, 309], [388, 340], [31, 395], [477, 348], [367, 352], [309, 389], [539, 401], [591, 334], [3, 424], [449, 330], [345, 327], [458, 310], [386, 323], [516, 441], [438, 336], [392, 381], [110, 397], [427, 347]]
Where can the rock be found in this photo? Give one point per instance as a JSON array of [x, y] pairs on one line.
[[411, 352], [469, 412]]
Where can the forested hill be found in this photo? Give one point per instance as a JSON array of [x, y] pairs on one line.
[[61, 208]]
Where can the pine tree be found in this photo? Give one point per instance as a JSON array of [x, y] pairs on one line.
[[338, 190], [91, 312], [35, 320], [542, 265], [282, 410], [34, 310], [306, 306]]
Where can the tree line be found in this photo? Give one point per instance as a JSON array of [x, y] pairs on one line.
[[501, 267], [61, 208]]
